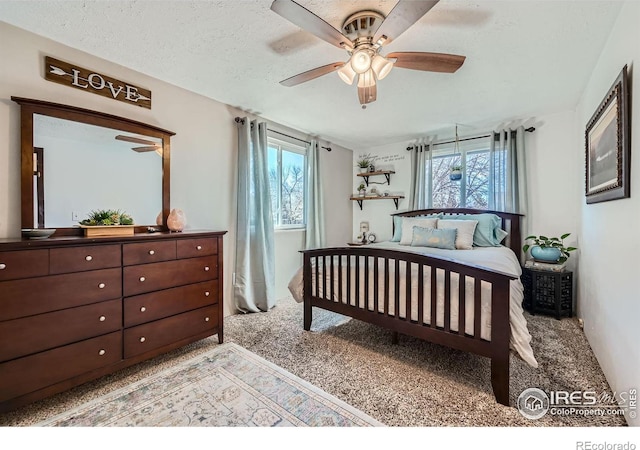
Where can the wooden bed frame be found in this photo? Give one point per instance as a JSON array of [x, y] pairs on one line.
[[331, 260]]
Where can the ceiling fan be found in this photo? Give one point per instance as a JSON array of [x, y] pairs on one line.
[[149, 146], [364, 34]]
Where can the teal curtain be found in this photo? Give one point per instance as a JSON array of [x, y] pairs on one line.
[[315, 234], [420, 191], [254, 288]]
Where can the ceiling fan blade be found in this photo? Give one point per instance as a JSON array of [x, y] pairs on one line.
[[401, 17], [367, 94], [430, 62], [305, 19], [145, 149], [135, 140], [311, 74]]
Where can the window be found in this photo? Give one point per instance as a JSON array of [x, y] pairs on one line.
[[472, 191], [286, 182]]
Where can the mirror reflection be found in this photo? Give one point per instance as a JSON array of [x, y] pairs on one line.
[[79, 168]]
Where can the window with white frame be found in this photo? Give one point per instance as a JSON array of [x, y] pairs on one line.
[[472, 190], [287, 182]]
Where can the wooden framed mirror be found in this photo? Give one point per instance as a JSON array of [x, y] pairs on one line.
[[76, 160]]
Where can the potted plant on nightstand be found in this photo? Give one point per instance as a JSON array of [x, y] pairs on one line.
[[548, 250]]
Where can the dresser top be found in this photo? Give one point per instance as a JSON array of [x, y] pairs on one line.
[[22, 243]]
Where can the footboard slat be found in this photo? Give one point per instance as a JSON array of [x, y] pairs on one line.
[[420, 294], [376, 285], [348, 279], [366, 282], [339, 277], [331, 281], [324, 277], [462, 295], [356, 301], [317, 283], [407, 311], [477, 309], [434, 299], [396, 293], [386, 286], [447, 300]]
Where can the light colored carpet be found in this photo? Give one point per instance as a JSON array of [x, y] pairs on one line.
[[227, 386], [414, 383]]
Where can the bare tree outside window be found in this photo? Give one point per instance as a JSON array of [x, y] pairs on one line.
[[286, 183], [448, 194]]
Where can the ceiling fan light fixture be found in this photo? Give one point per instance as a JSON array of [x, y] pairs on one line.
[[346, 73], [361, 60], [381, 66], [366, 79]]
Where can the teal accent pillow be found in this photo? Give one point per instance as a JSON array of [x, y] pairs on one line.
[[397, 224], [488, 232], [432, 237]]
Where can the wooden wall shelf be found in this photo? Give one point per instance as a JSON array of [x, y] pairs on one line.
[[386, 173], [395, 199]]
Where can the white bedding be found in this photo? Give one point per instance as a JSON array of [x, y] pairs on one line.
[[497, 258]]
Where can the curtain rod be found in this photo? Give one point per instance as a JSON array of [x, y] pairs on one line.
[[530, 130], [240, 120]]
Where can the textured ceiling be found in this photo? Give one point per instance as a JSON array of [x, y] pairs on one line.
[[524, 58]]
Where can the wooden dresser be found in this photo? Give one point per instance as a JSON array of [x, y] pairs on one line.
[[73, 309]]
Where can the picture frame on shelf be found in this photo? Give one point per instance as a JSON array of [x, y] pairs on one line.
[[608, 145]]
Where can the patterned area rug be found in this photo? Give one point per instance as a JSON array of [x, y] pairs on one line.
[[228, 386]]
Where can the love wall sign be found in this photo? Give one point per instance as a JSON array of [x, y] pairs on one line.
[[71, 75]]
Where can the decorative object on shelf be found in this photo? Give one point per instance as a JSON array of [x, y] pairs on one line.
[[372, 168], [371, 238], [364, 163], [362, 190], [373, 192], [608, 145], [37, 233], [386, 193], [548, 250], [107, 222], [89, 81], [176, 220]]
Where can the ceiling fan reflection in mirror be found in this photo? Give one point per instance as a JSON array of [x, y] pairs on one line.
[[363, 37], [149, 146]]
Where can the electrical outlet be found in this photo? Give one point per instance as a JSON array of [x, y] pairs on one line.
[[75, 216]]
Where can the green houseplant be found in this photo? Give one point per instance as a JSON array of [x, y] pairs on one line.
[[364, 162], [548, 249], [362, 190], [107, 217]]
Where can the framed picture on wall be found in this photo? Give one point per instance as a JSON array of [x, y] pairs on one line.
[[608, 145]]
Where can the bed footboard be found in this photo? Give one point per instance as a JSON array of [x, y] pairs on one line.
[[438, 300]]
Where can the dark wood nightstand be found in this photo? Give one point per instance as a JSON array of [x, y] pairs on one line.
[[547, 292]]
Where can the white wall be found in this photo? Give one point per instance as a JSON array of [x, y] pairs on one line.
[[609, 270], [203, 151]]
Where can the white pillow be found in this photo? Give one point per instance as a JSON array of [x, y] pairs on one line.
[[407, 227], [464, 236]]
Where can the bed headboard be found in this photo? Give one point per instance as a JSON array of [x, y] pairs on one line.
[[510, 222]]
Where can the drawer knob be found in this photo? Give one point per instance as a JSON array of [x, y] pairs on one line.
[[101, 285], [3, 266], [143, 309], [152, 252], [206, 268], [101, 352], [199, 247], [207, 293], [142, 279], [102, 318], [142, 339], [88, 258], [206, 319]]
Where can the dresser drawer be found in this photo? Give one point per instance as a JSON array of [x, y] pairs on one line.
[[23, 264], [34, 334], [154, 277], [147, 337], [28, 374], [156, 305], [192, 248], [21, 298], [77, 259], [148, 252]]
